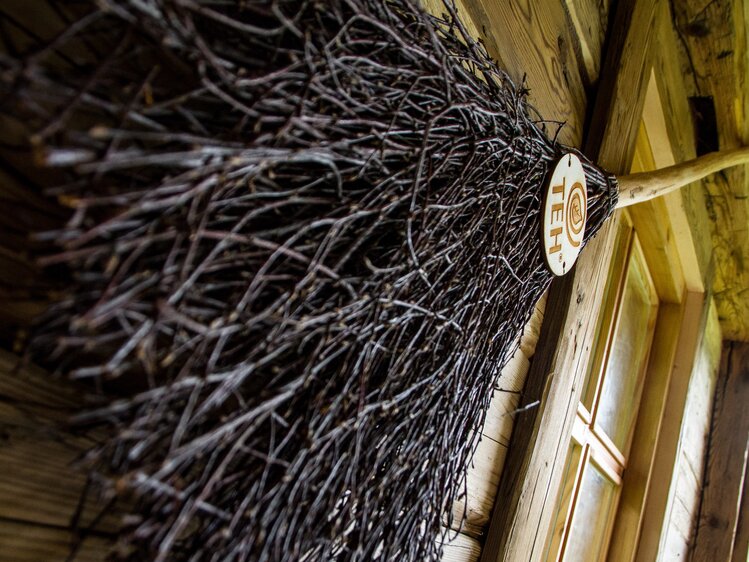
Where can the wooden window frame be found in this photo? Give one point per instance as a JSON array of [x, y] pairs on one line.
[[533, 472]]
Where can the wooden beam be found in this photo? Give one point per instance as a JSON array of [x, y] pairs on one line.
[[667, 447], [741, 544], [685, 489], [460, 548], [726, 459], [590, 20], [668, 121], [714, 59], [652, 222], [533, 471], [626, 70]]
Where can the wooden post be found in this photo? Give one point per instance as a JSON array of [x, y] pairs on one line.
[[726, 459]]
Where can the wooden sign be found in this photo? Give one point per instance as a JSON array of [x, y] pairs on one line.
[[564, 215]]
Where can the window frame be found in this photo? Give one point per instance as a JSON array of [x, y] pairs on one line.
[[533, 472]]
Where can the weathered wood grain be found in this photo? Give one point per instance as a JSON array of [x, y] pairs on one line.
[[713, 47], [726, 459], [665, 459], [35, 543], [590, 20], [42, 481], [651, 220], [532, 40], [684, 499], [461, 548], [669, 127], [471, 514], [637, 476], [532, 472]]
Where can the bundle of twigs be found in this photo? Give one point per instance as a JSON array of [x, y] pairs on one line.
[[302, 242]]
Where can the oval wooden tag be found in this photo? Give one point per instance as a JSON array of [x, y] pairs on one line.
[[565, 212]]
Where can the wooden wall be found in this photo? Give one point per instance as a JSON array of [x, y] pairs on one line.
[[40, 485], [722, 532], [714, 60], [482, 479], [686, 487]]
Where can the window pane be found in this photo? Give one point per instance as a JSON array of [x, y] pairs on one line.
[[563, 501], [620, 393], [590, 521], [618, 261]]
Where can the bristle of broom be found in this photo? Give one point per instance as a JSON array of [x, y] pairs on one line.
[[301, 243]]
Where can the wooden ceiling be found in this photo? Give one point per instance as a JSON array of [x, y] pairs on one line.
[[712, 40]]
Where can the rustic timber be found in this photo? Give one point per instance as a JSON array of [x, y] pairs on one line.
[[621, 95], [713, 48], [471, 513], [741, 544], [652, 222], [42, 480], [590, 20], [533, 42], [726, 459], [533, 471], [668, 122], [667, 448], [460, 548]]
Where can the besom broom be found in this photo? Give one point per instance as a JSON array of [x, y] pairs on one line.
[[298, 243]]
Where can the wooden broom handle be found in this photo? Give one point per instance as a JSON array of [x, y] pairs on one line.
[[636, 188]]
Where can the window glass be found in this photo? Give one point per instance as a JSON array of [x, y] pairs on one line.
[[590, 521], [570, 478], [622, 383], [608, 310]]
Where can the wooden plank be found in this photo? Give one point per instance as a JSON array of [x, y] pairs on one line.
[[533, 42], [686, 482], [726, 460], [532, 472], [651, 220], [36, 543], [741, 544], [534, 467], [471, 514], [713, 48], [590, 19], [460, 548], [616, 115], [42, 480], [668, 121]]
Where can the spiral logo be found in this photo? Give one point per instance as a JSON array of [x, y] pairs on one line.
[[564, 215], [576, 208]]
